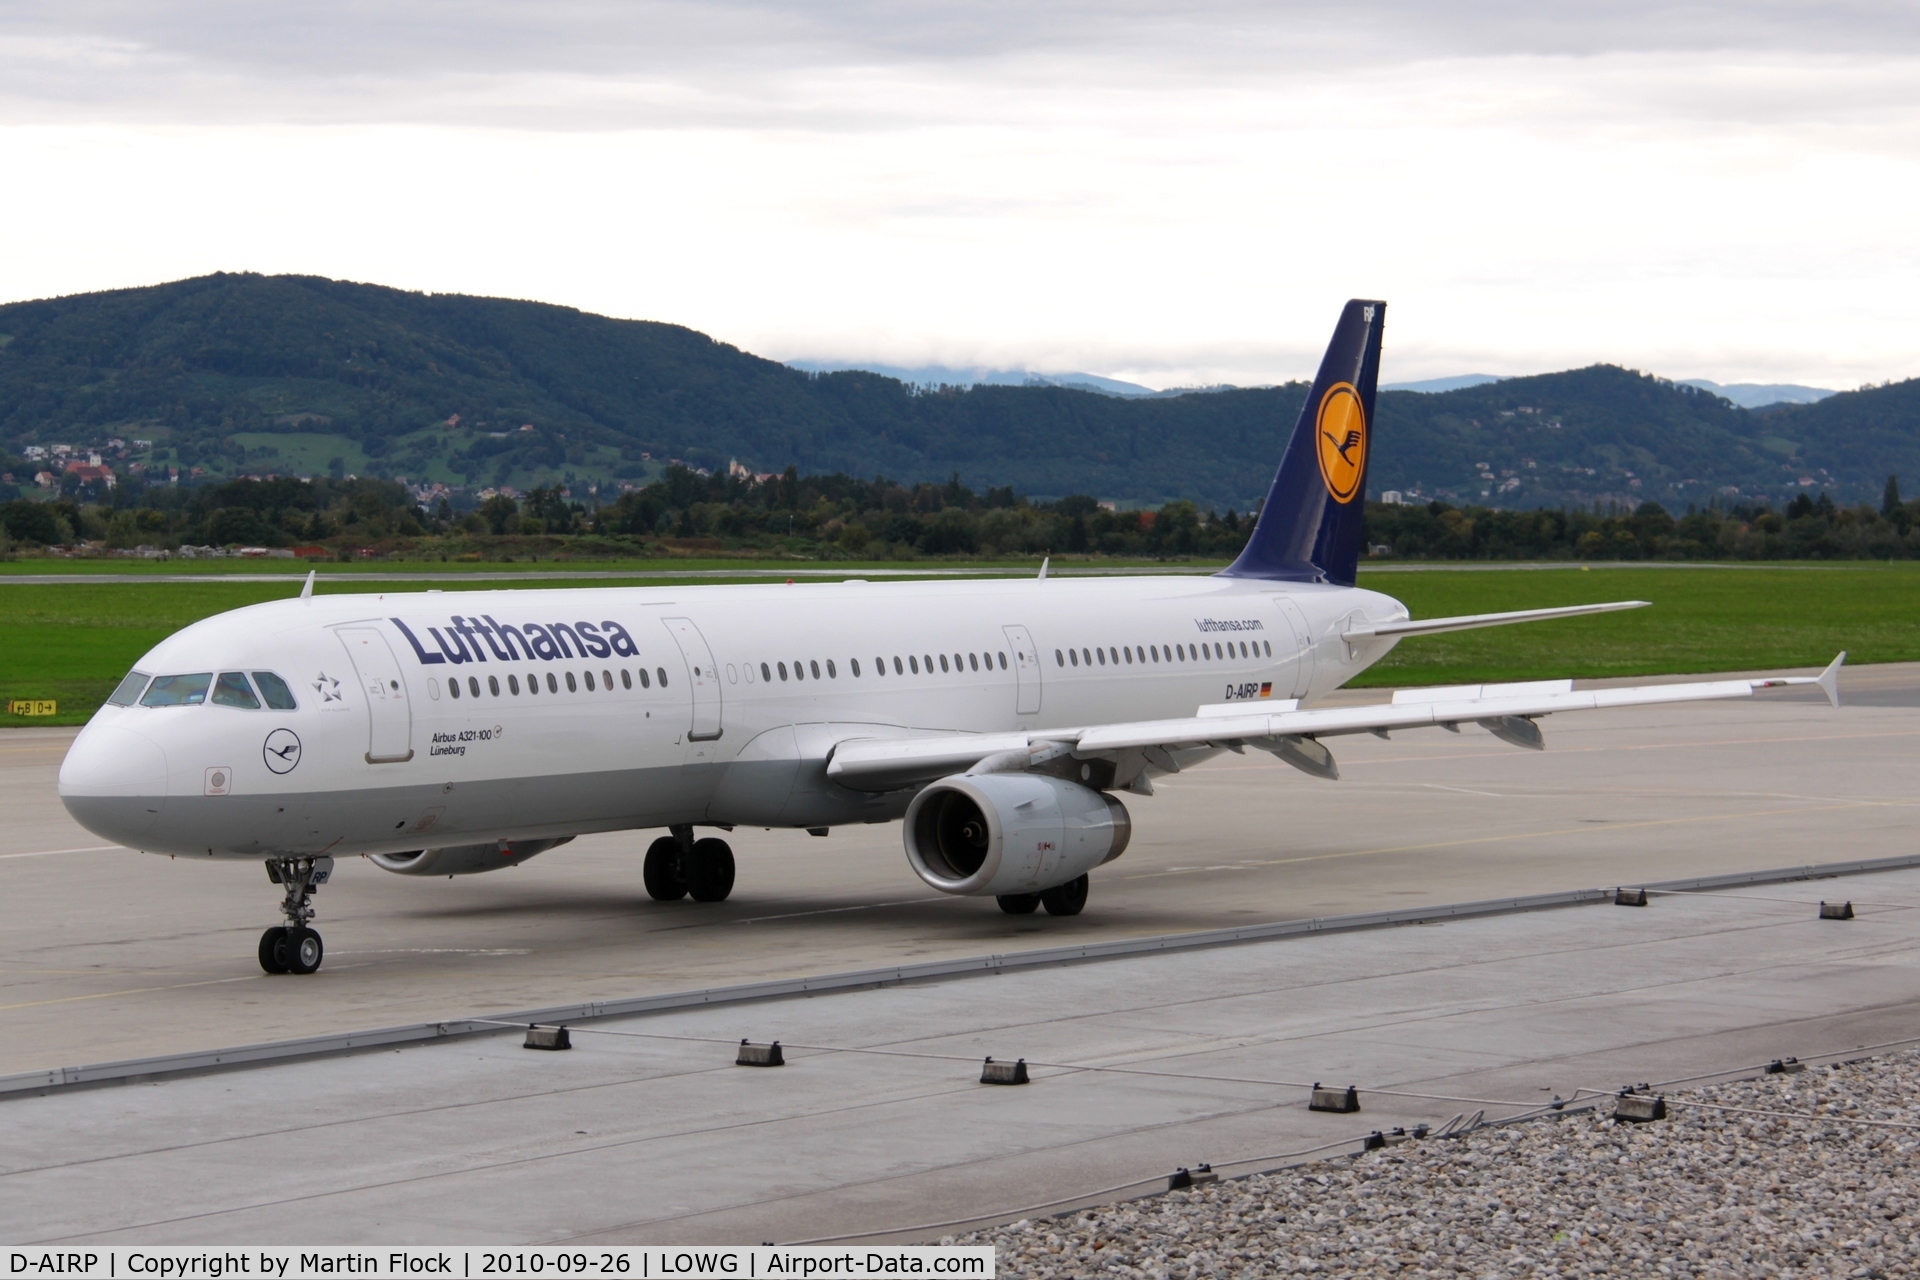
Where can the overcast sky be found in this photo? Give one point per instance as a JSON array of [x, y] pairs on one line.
[[1174, 194]]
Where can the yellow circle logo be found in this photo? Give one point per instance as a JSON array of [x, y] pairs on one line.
[[1342, 437]]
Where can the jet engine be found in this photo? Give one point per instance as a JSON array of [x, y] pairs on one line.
[[463, 859], [1011, 833]]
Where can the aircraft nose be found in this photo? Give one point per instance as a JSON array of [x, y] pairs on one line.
[[113, 782]]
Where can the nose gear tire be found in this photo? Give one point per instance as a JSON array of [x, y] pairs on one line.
[[1065, 899], [302, 951], [272, 943], [662, 871]]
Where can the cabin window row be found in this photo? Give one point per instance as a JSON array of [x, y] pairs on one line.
[[911, 664], [1143, 654], [493, 685]]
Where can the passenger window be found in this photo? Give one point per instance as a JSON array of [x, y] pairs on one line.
[[589, 679], [646, 681], [879, 667], [1268, 646], [1003, 660], [896, 665], [814, 668], [273, 690], [854, 665], [573, 686], [1059, 659], [453, 687], [128, 691], [533, 684], [553, 686], [943, 662], [1154, 650], [662, 673], [783, 671], [1073, 657], [928, 659], [765, 674], [626, 678], [831, 673], [1102, 655], [178, 691], [513, 685], [1127, 652], [912, 662], [493, 685], [473, 685], [606, 680], [232, 690], [973, 661]]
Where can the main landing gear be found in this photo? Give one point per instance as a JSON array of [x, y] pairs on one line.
[[679, 866], [1061, 900], [294, 947]]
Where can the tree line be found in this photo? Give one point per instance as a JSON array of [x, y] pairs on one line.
[[843, 517]]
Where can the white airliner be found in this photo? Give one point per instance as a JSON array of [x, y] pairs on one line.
[[448, 734]]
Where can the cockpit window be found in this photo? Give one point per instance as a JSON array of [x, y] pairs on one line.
[[274, 690], [232, 690], [129, 691], [178, 691]]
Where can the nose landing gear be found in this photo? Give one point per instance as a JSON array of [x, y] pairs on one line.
[[294, 947]]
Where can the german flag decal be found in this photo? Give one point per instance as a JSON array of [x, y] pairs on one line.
[[1341, 433]]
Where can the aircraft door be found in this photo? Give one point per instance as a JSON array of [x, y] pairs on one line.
[[1026, 670], [702, 678], [390, 719], [1301, 642]]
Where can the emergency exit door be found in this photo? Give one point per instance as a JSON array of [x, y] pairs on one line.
[[702, 678], [1026, 670]]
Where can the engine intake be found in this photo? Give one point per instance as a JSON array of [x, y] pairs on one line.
[[1002, 833], [463, 859]]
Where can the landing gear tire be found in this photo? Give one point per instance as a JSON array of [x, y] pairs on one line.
[[710, 870], [662, 871], [1065, 899], [1019, 904], [293, 947], [272, 943], [302, 951]]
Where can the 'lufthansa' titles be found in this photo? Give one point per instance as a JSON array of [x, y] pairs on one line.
[[474, 639]]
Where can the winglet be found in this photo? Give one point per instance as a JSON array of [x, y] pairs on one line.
[[1829, 680], [306, 589], [1044, 562]]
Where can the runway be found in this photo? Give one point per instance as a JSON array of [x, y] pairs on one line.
[[108, 954]]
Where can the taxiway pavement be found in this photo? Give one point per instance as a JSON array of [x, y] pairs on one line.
[[108, 954]]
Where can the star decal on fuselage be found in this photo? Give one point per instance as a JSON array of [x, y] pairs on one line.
[[328, 688]]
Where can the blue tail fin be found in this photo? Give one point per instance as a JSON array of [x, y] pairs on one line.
[[1309, 530]]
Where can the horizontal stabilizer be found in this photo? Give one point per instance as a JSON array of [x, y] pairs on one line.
[[1468, 621]]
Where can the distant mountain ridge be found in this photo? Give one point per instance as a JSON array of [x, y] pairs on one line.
[[249, 374], [940, 375]]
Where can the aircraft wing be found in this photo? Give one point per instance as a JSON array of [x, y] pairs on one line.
[[1508, 711]]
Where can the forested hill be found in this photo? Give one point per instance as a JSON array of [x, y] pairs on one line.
[[248, 374]]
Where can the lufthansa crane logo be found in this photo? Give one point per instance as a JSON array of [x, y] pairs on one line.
[[282, 750], [1341, 432]]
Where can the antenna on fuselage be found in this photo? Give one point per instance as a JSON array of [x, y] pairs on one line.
[[1044, 562], [306, 588]]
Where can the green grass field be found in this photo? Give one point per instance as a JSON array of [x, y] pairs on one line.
[[72, 642]]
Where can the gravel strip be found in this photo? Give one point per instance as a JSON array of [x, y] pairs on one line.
[[1703, 1193]]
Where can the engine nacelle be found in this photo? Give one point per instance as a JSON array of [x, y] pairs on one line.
[[463, 859], [997, 833]]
